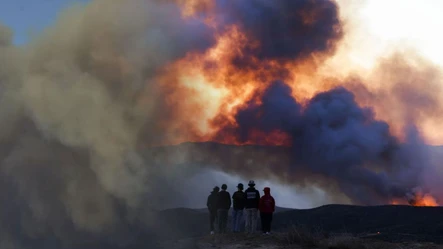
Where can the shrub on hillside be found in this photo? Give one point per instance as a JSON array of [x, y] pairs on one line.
[[305, 236]]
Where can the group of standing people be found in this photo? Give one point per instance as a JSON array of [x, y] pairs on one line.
[[247, 204]]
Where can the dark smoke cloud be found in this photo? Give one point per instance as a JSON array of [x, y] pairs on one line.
[[284, 29], [332, 136], [75, 103]]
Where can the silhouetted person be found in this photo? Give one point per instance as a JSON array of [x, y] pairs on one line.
[[212, 203], [251, 207], [238, 200], [224, 204], [267, 208]]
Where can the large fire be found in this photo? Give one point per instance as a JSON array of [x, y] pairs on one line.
[[290, 74], [323, 105], [222, 87], [233, 75], [426, 200], [419, 200], [218, 83]]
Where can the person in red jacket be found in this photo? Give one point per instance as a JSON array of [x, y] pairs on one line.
[[267, 208]]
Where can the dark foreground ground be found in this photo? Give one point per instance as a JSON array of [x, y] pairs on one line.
[[295, 240], [395, 224]]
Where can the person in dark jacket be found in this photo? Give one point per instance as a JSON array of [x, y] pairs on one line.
[[238, 200], [267, 208], [223, 206], [212, 203], [251, 207]]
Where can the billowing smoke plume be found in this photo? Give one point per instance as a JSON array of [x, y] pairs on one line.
[[81, 102], [334, 137], [72, 104], [283, 29]]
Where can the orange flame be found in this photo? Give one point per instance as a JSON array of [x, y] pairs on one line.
[[205, 90], [230, 87], [220, 88], [425, 201], [419, 200]]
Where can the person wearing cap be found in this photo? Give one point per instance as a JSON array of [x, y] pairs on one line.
[[238, 200], [223, 206], [212, 203], [267, 208], [251, 207]]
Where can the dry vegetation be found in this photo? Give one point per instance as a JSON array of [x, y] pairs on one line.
[[304, 238]]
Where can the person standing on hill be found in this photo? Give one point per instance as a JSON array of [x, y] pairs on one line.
[[238, 200], [223, 206], [251, 207], [267, 208], [212, 203]]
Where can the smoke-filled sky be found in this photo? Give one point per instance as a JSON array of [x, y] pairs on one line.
[[385, 22], [373, 35], [324, 101]]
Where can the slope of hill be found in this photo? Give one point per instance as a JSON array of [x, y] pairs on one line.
[[295, 240], [394, 223], [277, 209]]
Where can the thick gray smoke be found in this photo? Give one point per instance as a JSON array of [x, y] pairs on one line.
[[333, 136], [335, 144], [71, 106], [76, 103]]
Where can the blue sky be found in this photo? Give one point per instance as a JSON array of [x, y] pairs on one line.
[[26, 17]]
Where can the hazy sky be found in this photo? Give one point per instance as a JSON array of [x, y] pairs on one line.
[[26, 17], [388, 20], [199, 186]]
